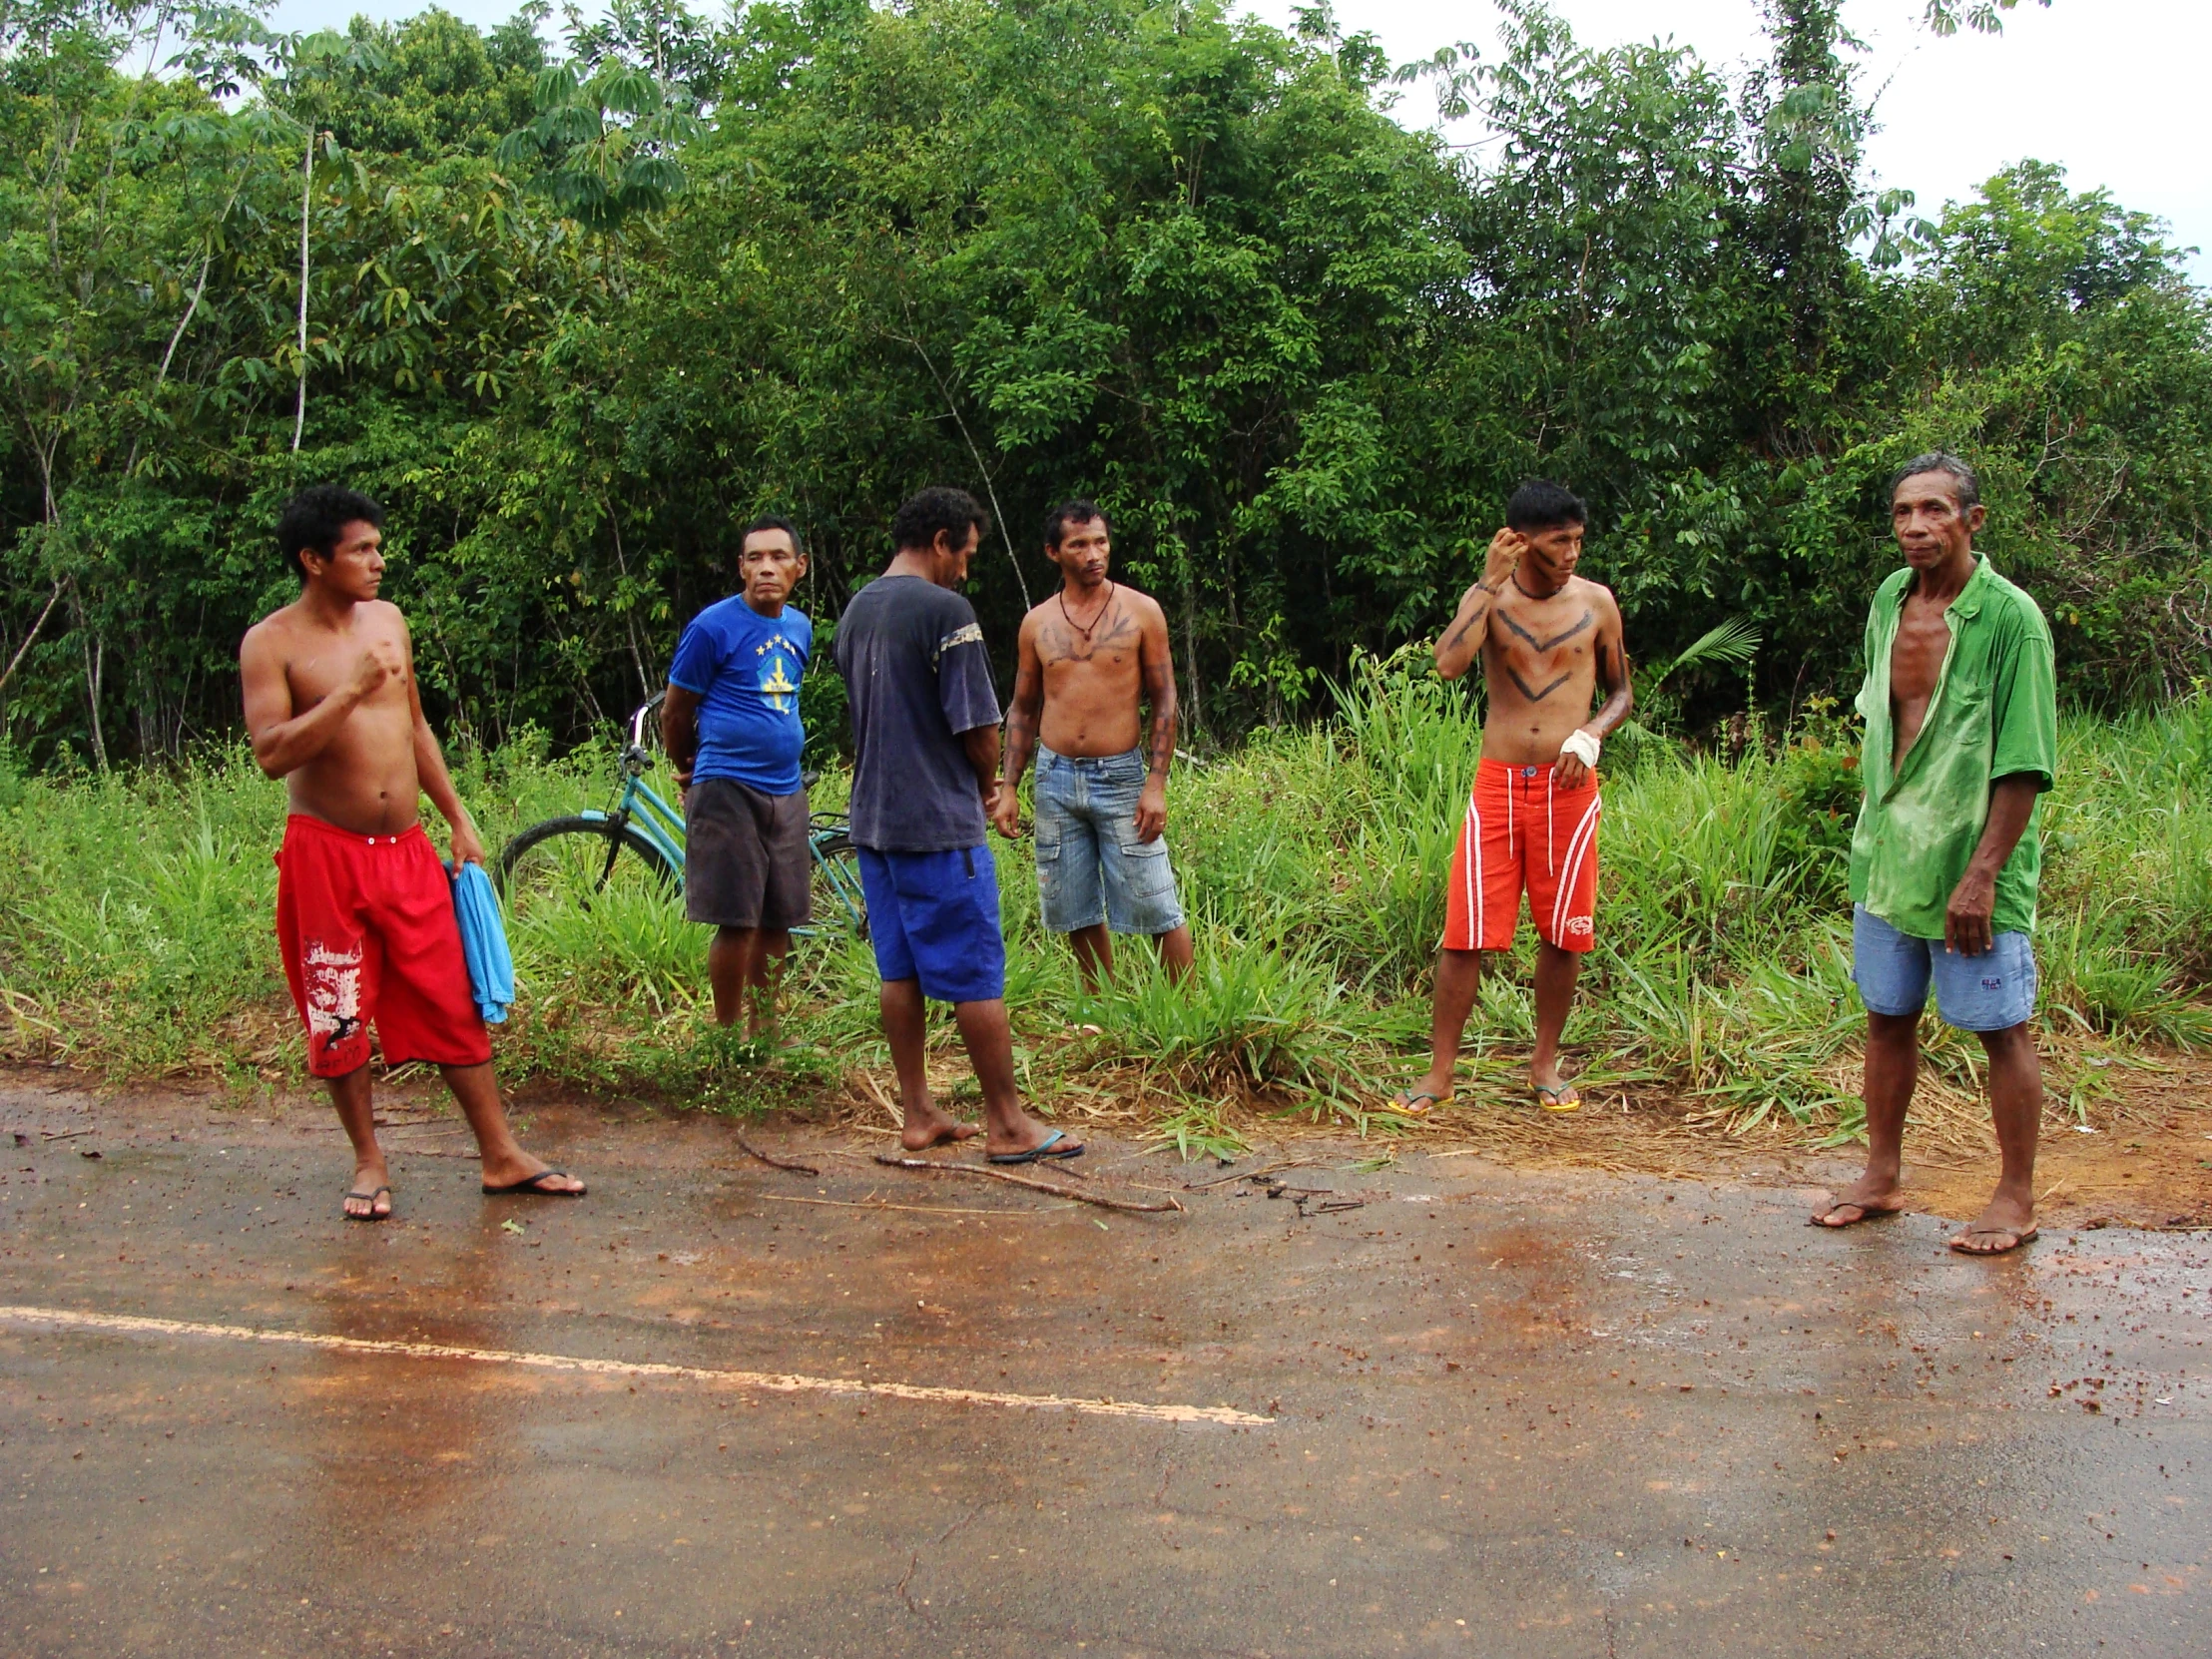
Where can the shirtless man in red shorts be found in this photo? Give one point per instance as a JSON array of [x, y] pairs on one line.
[[364, 911], [1549, 642]]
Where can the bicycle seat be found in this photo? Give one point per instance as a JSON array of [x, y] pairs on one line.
[[808, 779]]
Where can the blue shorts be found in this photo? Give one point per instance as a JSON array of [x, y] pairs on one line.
[[1992, 992], [934, 916], [1090, 865]]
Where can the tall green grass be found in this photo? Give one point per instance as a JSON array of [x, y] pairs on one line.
[[136, 927]]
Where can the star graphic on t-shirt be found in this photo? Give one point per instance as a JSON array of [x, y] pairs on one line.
[[777, 685]]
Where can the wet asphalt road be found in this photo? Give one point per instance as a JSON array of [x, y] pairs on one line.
[[1507, 1414]]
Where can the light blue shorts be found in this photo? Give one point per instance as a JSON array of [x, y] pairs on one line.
[[1992, 992], [1090, 865]]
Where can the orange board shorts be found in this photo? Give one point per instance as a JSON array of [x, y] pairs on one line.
[[367, 926], [1523, 830]]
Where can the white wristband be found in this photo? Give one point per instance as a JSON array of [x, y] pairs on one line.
[[1583, 746]]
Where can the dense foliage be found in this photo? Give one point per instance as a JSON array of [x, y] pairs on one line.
[[575, 320]]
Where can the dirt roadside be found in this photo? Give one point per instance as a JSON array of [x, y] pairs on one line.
[[2141, 1155]]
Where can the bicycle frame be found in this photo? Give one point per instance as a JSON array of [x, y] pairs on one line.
[[641, 807], [841, 881]]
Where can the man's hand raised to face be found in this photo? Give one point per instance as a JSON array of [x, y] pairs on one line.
[[1504, 557]]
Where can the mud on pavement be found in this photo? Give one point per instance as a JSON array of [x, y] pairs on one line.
[[1442, 1406]]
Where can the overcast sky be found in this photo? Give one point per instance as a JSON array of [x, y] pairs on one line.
[[2112, 90]]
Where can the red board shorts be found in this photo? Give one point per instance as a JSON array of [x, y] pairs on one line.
[[367, 926], [1522, 830]]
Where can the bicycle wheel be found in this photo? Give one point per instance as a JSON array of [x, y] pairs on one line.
[[572, 864], [838, 898]]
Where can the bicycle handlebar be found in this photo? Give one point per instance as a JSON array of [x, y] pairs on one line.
[[637, 720]]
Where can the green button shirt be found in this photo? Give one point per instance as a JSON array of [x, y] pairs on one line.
[[1994, 714]]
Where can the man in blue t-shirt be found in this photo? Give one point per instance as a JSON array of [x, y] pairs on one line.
[[731, 725], [925, 774]]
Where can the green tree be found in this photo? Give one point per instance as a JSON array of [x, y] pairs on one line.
[[817, 253]]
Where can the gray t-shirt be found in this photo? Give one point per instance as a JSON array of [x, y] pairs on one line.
[[916, 676]]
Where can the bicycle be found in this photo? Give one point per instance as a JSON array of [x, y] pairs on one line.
[[578, 859]]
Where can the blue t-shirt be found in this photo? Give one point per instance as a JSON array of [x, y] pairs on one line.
[[745, 668]]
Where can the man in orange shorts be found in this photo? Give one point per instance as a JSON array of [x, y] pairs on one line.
[[1549, 643], [364, 911]]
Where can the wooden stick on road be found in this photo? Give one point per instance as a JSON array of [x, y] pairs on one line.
[[1099, 1199], [752, 1151]]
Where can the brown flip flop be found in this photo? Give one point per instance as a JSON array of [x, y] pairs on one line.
[[372, 1197]]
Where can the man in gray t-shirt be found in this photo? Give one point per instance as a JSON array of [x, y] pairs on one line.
[[924, 777], [918, 680]]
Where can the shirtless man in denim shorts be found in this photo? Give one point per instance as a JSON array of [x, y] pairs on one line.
[[1091, 655]]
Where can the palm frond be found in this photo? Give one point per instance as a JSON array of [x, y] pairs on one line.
[[1734, 641]]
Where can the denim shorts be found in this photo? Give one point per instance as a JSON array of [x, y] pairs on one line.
[[933, 917], [1090, 865], [1990, 992]]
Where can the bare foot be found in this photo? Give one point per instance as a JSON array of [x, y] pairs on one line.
[[928, 1126], [1864, 1199], [370, 1197], [2004, 1226]]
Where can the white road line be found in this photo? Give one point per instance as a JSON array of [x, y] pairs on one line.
[[779, 1382]]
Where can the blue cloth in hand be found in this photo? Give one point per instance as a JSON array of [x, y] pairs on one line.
[[491, 969]]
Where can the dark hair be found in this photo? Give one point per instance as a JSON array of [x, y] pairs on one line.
[[312, 521], [775, 521], [1070, 512], [1942, 460], [922, 515], [1540, 504]]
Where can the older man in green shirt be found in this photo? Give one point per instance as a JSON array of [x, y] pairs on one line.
[[1962, 720]]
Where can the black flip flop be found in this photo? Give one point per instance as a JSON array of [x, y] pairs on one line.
[[533, 1186], [1866, 1213], [381, 1191], [1042, 1151]]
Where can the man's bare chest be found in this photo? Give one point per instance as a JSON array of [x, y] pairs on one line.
[[1109, 654], [314, 668], [1544, 649], [1917, 654]]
